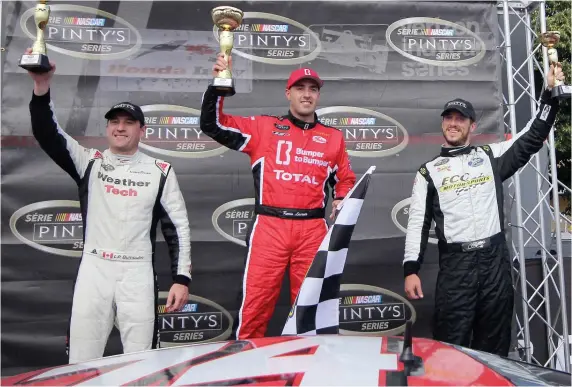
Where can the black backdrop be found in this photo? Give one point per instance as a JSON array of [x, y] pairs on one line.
[[398, 61]]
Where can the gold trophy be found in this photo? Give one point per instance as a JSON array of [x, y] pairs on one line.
[[227, 19], [549, 39], [37, 61]]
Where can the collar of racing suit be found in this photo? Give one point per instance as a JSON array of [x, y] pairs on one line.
[[122, 159], [455, 150], [302, 124]]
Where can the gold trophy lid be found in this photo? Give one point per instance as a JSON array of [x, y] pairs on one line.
[[550, 38], [227, 16]]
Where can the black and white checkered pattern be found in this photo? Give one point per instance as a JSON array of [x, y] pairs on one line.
[[316, 309]]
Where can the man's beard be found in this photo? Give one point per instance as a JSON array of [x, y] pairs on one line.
[[460, 142]]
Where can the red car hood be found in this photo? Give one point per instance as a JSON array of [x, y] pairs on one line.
[[295, 361]]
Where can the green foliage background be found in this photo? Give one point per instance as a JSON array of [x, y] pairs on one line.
[[558, 18]]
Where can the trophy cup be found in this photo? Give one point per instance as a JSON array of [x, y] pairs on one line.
[[549, 39], [227, 19], [37, 61]]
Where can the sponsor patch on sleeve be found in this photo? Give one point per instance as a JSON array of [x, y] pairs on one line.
[[545, 112], [163, 166]]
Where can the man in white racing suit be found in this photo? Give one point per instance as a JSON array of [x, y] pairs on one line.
[[123, 195], [462, 191]]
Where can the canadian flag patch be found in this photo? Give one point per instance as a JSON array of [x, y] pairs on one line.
[[163, 166]]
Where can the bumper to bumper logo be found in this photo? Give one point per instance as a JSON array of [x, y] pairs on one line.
[[54, 227], [367, 310], [368, 133], [85, 32], [233, 219], [200, 320], [175, 131], [435, 41], [268, 38], [400, 217]]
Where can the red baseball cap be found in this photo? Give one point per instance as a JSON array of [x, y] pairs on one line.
[[303, 73]]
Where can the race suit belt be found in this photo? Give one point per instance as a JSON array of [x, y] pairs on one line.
[[473, 245], [290, 213]]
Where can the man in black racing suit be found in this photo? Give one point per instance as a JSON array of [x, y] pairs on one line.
[[461, 190]]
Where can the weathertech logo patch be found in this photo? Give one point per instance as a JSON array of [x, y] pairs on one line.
[[125, 182]]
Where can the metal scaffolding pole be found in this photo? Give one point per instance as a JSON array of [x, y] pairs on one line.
[[556, 206], [536, 158], [544, 301], [519, 230]]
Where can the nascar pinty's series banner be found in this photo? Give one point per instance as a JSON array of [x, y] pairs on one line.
[[389, 67]]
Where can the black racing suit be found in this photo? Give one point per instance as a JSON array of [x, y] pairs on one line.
[[462, 191]]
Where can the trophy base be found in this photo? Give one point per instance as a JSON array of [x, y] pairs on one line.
[[561, 92], [224, 87], [36, 63]]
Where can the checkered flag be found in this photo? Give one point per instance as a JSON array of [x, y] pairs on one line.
[[316, 309]]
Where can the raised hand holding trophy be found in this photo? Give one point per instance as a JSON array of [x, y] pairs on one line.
[[227, 19], [549, 39], [37, 61]]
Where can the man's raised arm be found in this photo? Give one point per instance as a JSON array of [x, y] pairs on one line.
[[514, 154], [61, 147], [234, 132]]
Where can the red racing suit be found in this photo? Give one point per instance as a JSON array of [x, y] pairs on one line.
[[292, 163]]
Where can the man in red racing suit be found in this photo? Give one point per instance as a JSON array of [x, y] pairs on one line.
[[292, 159]]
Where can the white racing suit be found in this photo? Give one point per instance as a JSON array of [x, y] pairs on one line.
[[122, 199], [462, 191]]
